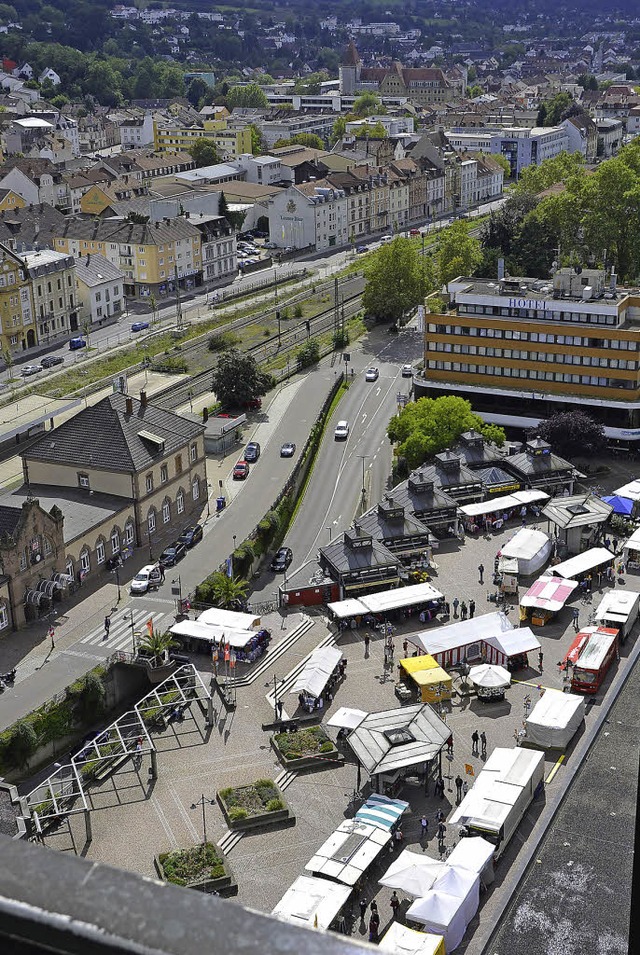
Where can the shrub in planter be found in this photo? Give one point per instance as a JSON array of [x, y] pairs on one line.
[[237, 812], [22, 743], [326, 747], [274, 805], [187, 866]]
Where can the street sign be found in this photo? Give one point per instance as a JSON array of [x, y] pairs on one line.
[[346, 357]]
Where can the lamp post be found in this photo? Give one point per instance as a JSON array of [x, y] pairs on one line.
[[133, 632], [116, 571], [363, 458], [232, 555], [203, 801]]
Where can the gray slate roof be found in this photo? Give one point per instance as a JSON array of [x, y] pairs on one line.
[[82, 511], [9, 519], [105, 437], [378, 755]]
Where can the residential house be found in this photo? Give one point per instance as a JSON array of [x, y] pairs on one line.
[[312, 214], [53, 291], [18, 328], [36, 180], [171, 134], [10, 200], [99, 290], [137, 132], [49, 75], [30, 226], [610, 134], [583, 136]]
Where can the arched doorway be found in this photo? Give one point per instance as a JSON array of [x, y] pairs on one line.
[[31, 338]]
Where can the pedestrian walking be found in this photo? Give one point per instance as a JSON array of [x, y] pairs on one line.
[[440, 816], [615, 545], [280, 708], [456, 604], [405, 647], [363, 907], [610, 573], [439, 787], [424, 826], [374, 910], [107, 627], [342, 925], [459, 782], [463, 611], [481, 572], [442, 831], [576, 619], [475, 739], [465, 788], [496, 563], [472, 608], [394, 903], [447, 609], [450, 745], [374, 922], [527, 704], [398, 836], [540, 660], [607, 542], [483, 743], [367, 641]]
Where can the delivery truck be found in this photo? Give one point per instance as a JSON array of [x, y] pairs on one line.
[[618, 610]]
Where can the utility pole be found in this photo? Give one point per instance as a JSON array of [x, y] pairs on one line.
[[178, 302], [335, 308], [363, 458]]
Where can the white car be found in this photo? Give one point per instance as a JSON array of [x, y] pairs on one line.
[[342, 431], [371, 374], [407, 371], [386, 238], [149, 576], [29, 370]]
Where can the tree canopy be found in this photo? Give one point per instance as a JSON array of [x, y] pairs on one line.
[[573, 433], [395, 281], [459, 253], [430, 425], [237, 379], [247, 96], [204, 152], [301, 139]]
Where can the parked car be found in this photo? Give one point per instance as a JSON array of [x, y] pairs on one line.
[[282, 560], [191, 535], [386, 238], [139, 326], [258, 234], [287, 450], [240, 471], [414, 231], [50, 360], [252, 451], [29, 370], [361, 249], [77, 343], [270, 245], [407, 371], [149, 576], [342, 431], [371, 374], [172, 554]]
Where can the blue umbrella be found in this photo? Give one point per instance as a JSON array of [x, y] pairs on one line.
[[621, 505]]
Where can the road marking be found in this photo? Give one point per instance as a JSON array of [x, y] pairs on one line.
[[364, 417], [554, 770]]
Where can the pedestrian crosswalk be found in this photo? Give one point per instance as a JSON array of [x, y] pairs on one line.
[[121, 631]]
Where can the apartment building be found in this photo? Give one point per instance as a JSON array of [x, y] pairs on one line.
[[521, 146], [99, 285], [307, 215], [170, 135], [52, 278], [522, 349], [151, 255], [16, 305]]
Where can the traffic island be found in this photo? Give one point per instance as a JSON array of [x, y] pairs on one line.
[[201, 867], [254, 806], [306, 748]]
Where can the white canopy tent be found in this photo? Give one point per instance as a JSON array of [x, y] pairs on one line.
[[347, 718], [311, 902], [510, 644], [465, 885], [489, 675], [630, 490], [530, 495], [476, 855], [506, 503], [385, 601], [238, 639], [412, 872], [530, 548], [400, 940], [631, 546], [347, 608], [215, 616], [555, 719], [449, 907], [549, 593], [349, 851], [448, 644], [316, 671], [583, 563]]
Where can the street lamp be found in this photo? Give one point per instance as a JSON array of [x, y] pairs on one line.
[[202, 802], [116, 571], [133, 632], [363, 458], [232, 555]]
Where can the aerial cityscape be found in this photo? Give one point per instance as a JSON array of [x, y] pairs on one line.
[[319, 477]]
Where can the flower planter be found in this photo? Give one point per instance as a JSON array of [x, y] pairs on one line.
[[303, 749], [249, 799], [223, 884], [333, 757]]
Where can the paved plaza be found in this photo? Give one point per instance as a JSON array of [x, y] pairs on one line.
[[135, 819]]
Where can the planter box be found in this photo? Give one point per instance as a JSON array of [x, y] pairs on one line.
[[258, 820], [225, 885], [332, 758]]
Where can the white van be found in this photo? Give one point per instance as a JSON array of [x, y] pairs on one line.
[[342, 431], [149, 576]]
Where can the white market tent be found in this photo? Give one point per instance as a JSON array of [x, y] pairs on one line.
[[555, 719], [489, 675], [549, 593], [465, 885], [238, 639], [349, 851], [530, 548], [385, 601], [631, 545], [413, 872], [314, 903], [215, 616], [400, 940], [381, 811], [517, 499], [583, 563], [347, 718], [530, 496], [448, 908], [475, 854], [630, 490], [510, 644], [448, 644], [317, 671]]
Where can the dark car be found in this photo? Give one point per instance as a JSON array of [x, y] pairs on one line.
[[191, 535], [171, 555], [240, 471], [282, 560], [50, 360], [139, 326], [361, 249], [287, 450], [252, 451], [77, 343]]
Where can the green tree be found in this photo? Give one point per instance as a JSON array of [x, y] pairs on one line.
[[157, 645], [459, 253], [223, 591], [204, 152], [21, 745], [256, 140], [427, 426], [394, 281], [552, 111], [247, 96], [310, 85], [238, 380], [196, 91], [309, 354], [301, 139], [587, 81], [552, 171], [339, 129], [573, 433], [367, 104], [375, 130]]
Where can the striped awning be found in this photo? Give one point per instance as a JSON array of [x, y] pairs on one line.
[[381, 811]]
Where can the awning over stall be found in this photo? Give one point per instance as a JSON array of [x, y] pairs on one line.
[[555, 719], [349, 851], [531, 548], [311, 902], [215, 616], [317, 671], [238, 639], [385, 601], [513, 643], [381, 811], [400, 940], [549, 593], [583, 563], [347, 608], [347, 718]]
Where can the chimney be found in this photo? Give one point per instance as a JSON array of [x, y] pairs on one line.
[[128, 405], [143, 399]]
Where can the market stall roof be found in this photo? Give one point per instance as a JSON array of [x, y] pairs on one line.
[[381, 811], [616, 605], [238, 639], [581, 563], [347, 608], [412, 872], [400, 940], [530, 548], [394, 739], [414, 664], [529, 495], [316, 671], [462, 633], [514, 642], [400, 597], [555, 719], [580, 510], [475, 854], [549, 593], [633, 542], [631, 490], [620, 505], [489, 675], [349, 851], [215, 616], [478, 508], [347, 718], [432, 677], [312, 902]]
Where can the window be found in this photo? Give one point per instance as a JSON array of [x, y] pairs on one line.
[[178, 462], [128, 534], [164, 473], [180, 502], [23, 560], [195, 489], [69, 567], [151, 521], [149, 483], [100, 555], [83, 480], [194, 452], [115, 542], [85, 561], [166, 512], [4, 617], [48, 549]]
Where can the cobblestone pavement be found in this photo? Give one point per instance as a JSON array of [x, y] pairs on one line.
[[138, 819]]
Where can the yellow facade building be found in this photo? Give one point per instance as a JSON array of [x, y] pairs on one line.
[[171, 135]]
